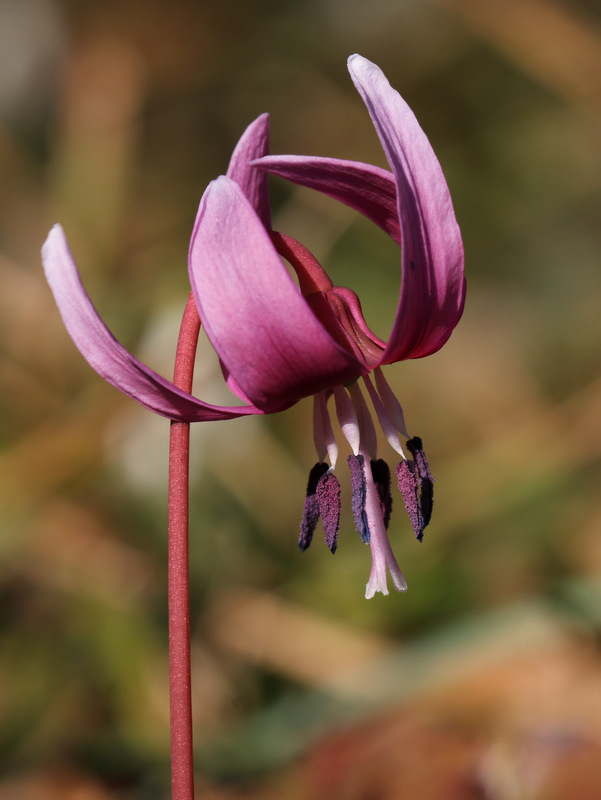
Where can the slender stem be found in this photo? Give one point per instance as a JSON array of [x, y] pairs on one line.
[[180, 695]]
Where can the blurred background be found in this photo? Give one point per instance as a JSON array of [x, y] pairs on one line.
[[484, 680]]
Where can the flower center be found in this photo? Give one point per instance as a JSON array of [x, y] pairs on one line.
[[336, 307], [339, 311]]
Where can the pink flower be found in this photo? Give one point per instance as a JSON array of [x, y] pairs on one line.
[[279, 342]]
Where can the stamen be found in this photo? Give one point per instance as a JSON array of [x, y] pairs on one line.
[[358, 489], [381, 475], [409, 487], [367, 432], [328, 497], [347, 418], [323, 435], [311, 509], [426, 481], [390, 402], [386, 423]]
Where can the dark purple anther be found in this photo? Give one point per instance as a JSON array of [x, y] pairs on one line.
[[409, 487], [381, 476], [328, 497], [358, 489], [311, 507], [426, 481]]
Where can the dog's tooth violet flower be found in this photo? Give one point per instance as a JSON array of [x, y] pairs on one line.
[[279, 342]]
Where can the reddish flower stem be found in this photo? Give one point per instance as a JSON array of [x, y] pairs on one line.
[[180, 695]]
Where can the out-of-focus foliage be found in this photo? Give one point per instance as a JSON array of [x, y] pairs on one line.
[[113, 118]]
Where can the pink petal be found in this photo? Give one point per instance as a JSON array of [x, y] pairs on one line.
[[368, 189], [253, 144], [432, 285], [109, 358], [258, 322]]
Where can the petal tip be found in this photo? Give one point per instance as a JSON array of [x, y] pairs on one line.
[[54, 250], [359, 66], [355, 59], [56, 231]]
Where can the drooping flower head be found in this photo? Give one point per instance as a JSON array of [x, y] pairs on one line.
[[278, 342]]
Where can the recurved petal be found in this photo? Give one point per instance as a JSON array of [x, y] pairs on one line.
[[432, 285], [258, 322], [253, 144], [368, 189], [107, 356]]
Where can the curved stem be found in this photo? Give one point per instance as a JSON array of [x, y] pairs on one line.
[[180, 695], [312, 277]]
